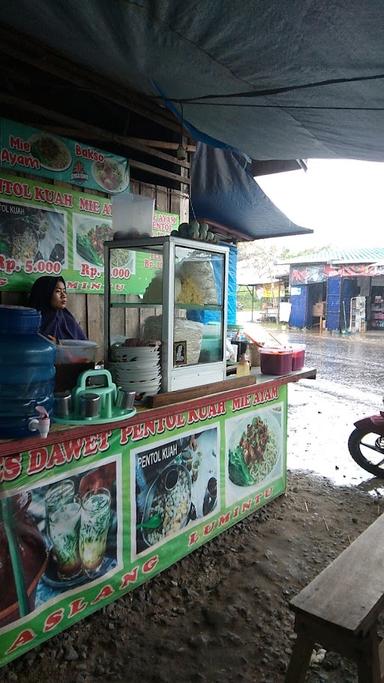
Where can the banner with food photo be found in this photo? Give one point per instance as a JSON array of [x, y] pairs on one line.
[[32, 239], [175, 485], [255, 444], [60, 536], [90, 233], [52, 230], [85, 519], [29, 150]]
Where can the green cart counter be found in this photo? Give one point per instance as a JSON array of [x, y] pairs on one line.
[[92, 512]]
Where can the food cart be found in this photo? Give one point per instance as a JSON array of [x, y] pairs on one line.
[[92, 512], [108, 500]]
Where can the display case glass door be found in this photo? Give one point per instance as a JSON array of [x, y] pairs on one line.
[[128, 313], [175, 297], [198, 307]]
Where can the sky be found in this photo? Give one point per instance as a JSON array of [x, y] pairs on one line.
[[341, 200]]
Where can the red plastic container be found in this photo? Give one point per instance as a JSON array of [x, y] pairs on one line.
[[298, 356], [275, 361]]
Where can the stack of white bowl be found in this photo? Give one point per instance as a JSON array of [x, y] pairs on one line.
[[136, 368]]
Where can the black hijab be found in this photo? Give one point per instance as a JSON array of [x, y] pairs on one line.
[[54, 323]]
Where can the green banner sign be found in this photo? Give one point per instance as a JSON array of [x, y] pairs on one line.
[[89, 518], [51, 230], [29, 150]]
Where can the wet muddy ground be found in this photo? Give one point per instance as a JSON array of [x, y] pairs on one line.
[[349, 386], [222, 613]]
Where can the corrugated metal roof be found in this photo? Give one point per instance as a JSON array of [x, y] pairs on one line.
[[361, 255]]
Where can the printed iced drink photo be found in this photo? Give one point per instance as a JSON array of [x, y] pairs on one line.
[[63, 516], [58, 495], [64, 533], [94, 526]]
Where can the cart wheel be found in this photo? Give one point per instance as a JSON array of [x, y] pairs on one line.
[[367, 449]]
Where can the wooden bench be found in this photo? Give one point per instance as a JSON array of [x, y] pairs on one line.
[[339, 609]]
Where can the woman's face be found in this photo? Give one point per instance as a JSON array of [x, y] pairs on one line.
[[59, 296]]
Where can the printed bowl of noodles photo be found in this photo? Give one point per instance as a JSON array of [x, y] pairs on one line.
[[90, 235], [50, 151], [112, 175], [254, 448]]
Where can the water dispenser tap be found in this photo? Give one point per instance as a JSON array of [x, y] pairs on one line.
[[41, 423]]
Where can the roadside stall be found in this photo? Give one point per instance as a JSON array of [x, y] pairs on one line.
[[97, 495], [115, 463], [93, 511]]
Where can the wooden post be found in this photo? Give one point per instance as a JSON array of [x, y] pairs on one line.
[[300, 658], [368, 659], [253, 300]]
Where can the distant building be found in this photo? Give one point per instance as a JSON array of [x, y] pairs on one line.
[[338, 289], [267, 287]]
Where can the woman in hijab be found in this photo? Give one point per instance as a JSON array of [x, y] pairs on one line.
[[49, 296]]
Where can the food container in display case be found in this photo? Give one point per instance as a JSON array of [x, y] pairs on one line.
[[275, 361], [175, 295]]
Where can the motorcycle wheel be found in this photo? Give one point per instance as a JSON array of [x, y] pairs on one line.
[[367, 449]]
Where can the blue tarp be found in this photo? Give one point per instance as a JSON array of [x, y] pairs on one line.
[[232, 285], [276, 80], [224, 191]]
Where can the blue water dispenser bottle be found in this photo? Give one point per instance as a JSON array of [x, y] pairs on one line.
[[27, 372]]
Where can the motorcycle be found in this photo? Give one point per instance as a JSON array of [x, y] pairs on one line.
[[366, 444]]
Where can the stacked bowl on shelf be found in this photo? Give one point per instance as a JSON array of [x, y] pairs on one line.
[[136, 368]]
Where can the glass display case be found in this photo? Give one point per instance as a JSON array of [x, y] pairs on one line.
[[174, 294]]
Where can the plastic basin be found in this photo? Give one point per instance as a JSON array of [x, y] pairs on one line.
[[275, 361], [298, 356]]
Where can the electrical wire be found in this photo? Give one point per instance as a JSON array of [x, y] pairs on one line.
[[275, 91], [285, 106]]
